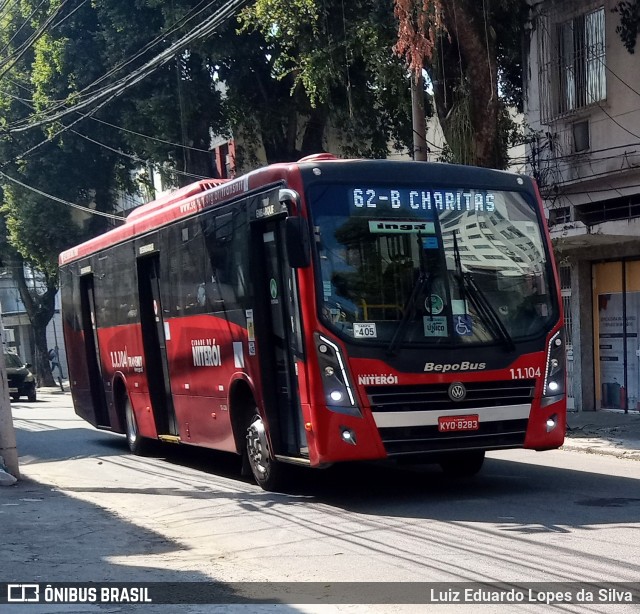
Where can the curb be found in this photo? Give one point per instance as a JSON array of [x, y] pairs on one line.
[[604, 447], [54, 389]]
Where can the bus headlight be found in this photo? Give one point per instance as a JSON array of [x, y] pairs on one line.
[[553, 388], [338, 391]]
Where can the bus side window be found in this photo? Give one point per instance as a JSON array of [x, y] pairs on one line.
[[221, 295], [219, 240], [193, 270]]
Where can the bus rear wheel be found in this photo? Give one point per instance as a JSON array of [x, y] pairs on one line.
[[137, 444], [267, 472], [463, 464]]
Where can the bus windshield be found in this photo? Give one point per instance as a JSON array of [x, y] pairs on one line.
[[417, 266]]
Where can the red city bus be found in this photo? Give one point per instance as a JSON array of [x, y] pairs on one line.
[[321, 311]]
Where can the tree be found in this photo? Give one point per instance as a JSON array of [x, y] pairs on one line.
[[468, 48], [70, 166], [180, 103], [629, 11], [304, 66], [287, 77]]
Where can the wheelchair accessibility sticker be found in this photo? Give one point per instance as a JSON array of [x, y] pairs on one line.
[[463, 325]]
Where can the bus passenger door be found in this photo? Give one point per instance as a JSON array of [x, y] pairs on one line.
[[154, 344], [92, 348], [277, 329]]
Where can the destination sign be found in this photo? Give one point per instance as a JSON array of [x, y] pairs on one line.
[[409, 199]]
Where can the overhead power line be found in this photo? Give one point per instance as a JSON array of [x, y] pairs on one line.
[[161, 38], [109, 93], [61, 200], [146, 136], [104, 145], [134, 157], [24, 23], [115, 89]]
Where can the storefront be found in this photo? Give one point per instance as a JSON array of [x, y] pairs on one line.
[[616, 341]]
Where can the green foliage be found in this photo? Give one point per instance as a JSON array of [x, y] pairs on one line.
[[627, 30], [292, 29], [32, 232], [285, 76], [507, 19], [290, 69], [37, 74], [335, 59]]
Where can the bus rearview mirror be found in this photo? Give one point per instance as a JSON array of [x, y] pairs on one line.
[[297, 242]]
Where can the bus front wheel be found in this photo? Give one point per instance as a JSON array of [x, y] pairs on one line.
[[267, 472], [462, 464], [137, 444]]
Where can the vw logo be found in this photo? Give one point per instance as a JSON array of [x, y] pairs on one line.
[[457, 391]]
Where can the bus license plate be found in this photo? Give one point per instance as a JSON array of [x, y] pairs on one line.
[[458, 423]]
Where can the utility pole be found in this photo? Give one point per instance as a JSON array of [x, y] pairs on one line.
[[418, 118], [8, 449]]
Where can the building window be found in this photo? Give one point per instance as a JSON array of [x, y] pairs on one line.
[[559, 215], [581, 69], [571, 58], [581, 140]]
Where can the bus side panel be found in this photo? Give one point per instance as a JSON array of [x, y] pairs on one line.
[[204, 421], [121, 353], [206, 352], [202, 362]]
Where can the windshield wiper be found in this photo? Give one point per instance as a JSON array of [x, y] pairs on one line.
[[423, 281], [480, 302]]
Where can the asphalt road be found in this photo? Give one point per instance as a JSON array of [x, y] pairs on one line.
[[186, 515]]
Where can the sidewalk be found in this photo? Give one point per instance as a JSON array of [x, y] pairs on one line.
[[604, 432]]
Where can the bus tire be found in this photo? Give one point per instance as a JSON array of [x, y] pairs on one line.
[[267, 472], [138, 444], [463, 464]]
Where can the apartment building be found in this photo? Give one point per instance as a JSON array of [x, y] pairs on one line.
[[582, 102]]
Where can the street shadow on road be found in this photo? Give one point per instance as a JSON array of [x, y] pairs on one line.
[[46, 444], [572, 498], [529, 505], [555, 499], [49, 536]]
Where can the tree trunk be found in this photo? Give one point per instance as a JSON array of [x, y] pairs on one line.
[[464, 71], [197, 162], [313, 141], [40, 309]]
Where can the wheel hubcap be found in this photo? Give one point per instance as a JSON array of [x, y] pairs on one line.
[[257, 446], [132, 429]]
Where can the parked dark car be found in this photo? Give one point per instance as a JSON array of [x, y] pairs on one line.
[[21, 380]]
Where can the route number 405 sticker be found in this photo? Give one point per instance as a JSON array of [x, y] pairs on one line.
[[364, 331]]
